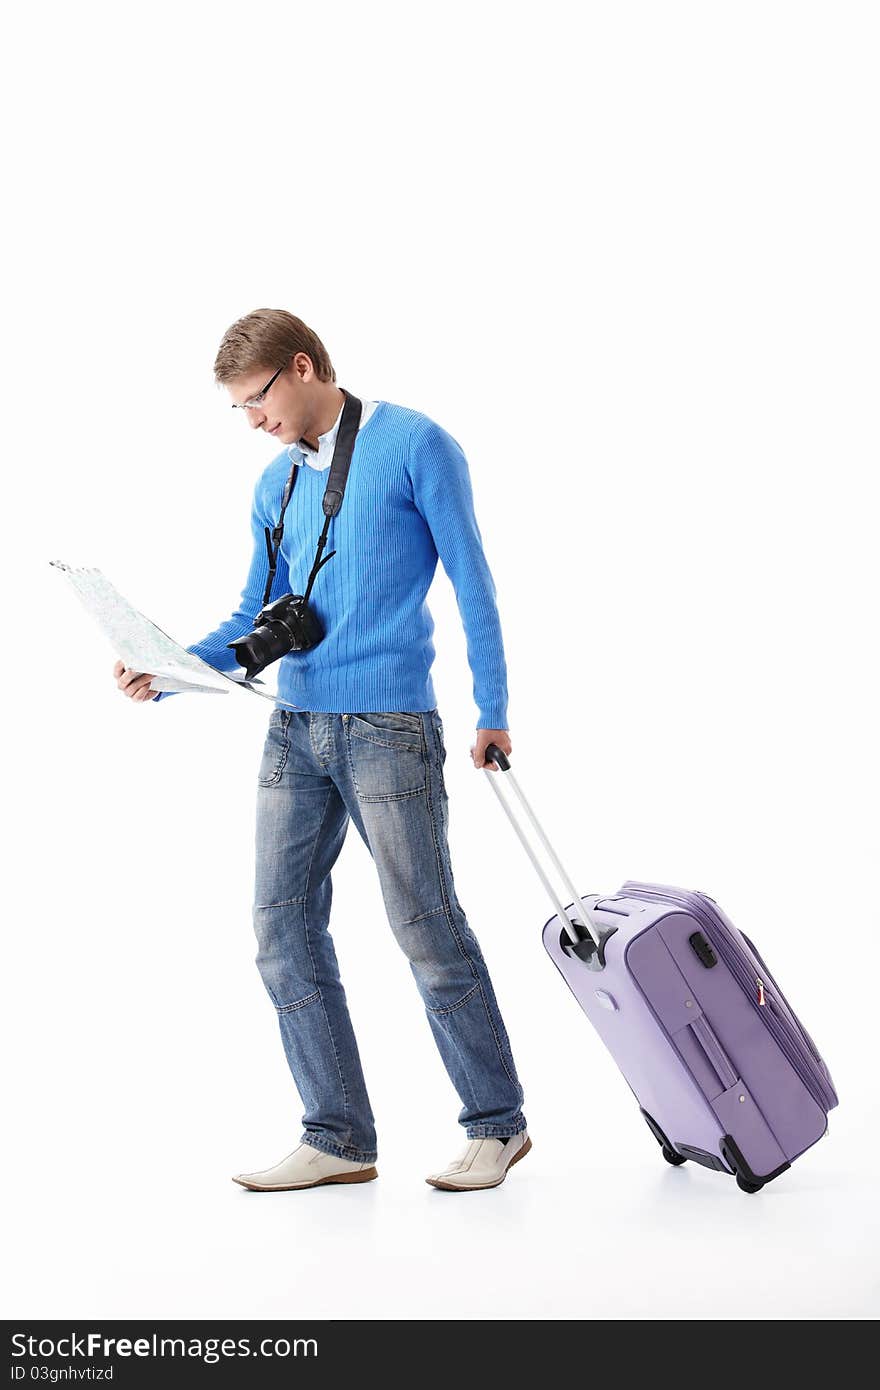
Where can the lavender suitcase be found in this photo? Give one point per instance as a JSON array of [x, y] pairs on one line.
[[723, 1071]]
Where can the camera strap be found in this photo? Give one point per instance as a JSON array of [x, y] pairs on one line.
[[346, 438]]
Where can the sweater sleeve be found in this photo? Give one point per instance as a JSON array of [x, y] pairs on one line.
[[213, 648], [444, 497]]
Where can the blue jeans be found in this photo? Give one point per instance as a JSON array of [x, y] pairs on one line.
[[385, 772]]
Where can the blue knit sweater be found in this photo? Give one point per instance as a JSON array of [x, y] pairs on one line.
[[407, 502]]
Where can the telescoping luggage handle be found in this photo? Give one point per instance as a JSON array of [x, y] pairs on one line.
[[495, 755]]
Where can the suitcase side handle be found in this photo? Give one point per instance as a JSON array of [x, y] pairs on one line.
[[494, 754]]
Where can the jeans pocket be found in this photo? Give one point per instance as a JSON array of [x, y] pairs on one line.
[[275, 749], [394, 727], [438, 728], [387, 754]]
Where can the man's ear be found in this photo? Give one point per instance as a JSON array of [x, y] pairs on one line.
[[303, 366]]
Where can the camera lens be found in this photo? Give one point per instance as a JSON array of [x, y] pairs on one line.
[[261, 647], [290, 625]]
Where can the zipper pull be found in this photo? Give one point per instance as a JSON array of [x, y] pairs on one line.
[[760, 985]]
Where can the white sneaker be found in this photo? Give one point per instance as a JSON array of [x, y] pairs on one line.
[[307, 1167], [484, 1163]]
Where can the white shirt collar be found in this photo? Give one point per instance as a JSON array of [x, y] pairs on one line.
[[322, 457]]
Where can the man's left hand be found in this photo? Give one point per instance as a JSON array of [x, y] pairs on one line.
[[484, 738]]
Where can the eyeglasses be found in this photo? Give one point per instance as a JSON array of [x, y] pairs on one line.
[[256, 401]]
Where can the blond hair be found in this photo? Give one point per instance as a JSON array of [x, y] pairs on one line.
[[268, 338]]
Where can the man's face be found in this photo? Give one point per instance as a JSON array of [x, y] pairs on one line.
[[284, 410]]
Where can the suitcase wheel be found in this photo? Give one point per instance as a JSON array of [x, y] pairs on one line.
[[746, 1186], [672, 1155], [669, 1153], [746, 1180]]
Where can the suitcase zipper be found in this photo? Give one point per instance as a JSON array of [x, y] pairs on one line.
[[784, 1027], [794, 1042], [813, 1066], [807, 1039]]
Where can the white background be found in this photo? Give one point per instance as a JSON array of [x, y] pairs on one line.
[[627, 255]]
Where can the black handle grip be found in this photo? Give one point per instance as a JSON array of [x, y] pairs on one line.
[[493, 754]]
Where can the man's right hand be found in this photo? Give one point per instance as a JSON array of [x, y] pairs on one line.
[[134, 684]]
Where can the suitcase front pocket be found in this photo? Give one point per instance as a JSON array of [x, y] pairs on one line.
[[706, 1059]]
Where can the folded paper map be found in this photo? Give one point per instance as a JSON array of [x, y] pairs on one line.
[[143, 646]]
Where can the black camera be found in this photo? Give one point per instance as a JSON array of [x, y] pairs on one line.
[[287, 625]]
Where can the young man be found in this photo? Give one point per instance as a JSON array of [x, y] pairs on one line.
[[356, 735]]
